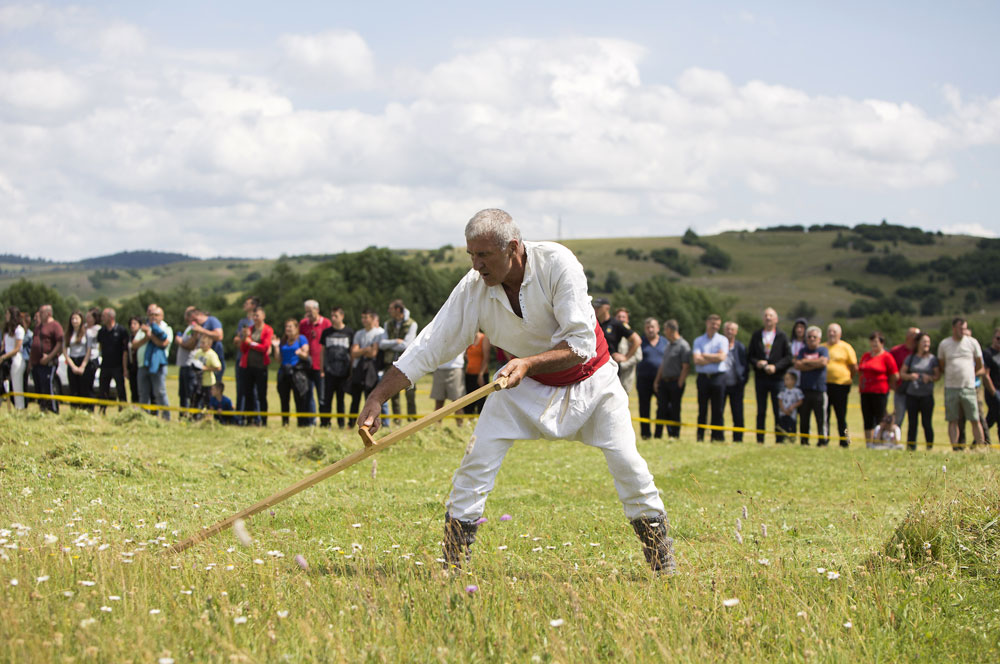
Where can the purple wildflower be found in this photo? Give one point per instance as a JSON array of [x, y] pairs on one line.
[[506, 517]]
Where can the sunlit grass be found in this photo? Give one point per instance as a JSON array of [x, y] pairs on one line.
[[833, 563]]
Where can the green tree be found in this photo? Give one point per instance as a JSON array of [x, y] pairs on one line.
[[29, 295]]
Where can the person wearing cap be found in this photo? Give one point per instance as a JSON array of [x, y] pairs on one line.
[[530, 299]]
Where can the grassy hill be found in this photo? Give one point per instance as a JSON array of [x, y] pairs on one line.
[[779, 269]]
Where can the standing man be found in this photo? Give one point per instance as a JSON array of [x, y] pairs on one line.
[[46, 346], [960, 359], [187, 342], [311, 327], [711, 362], [626, 368], [811, 364], [671, 378], [153, 370], [737, 374], [364, 358], [653, 347], [400, 332], [207, 325], [615, 331], [249, 306], [900, 353], [770, 354], [113, 339], [991, 381], [530, 298], [336, 342]]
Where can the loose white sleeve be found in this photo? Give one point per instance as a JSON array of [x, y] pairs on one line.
[[572, 308], [451, 331]]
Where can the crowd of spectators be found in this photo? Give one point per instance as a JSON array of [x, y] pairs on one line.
[[798, 377]]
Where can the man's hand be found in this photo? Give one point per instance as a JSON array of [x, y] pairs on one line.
[[370, 415], [515, 371], [769, 369], [618, 357]]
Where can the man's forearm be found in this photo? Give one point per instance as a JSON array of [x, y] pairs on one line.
[[559, 358], [393, 382]]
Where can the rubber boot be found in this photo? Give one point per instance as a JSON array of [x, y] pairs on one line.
[[656, 546], [459, 536]]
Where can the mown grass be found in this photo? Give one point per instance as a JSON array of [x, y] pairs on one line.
[[911, 540]]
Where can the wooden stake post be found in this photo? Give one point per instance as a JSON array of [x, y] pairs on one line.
[[371, 447]]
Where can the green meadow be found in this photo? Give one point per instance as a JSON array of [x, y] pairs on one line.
[[786, 553]]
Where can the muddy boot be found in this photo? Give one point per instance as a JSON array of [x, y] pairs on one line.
[[459, 536], [656, 546]]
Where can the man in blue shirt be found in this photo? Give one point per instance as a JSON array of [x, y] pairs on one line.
[[711, 362], [153, 370], [811, 363]]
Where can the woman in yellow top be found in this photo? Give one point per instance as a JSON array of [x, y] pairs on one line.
[[207, 361], [840, 373]]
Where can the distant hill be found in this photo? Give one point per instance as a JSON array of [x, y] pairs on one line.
[[135, 259], [15, 259]]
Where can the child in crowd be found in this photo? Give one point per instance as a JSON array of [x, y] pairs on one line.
[[219, 403], [789, 399], [887, 435], [206, 362]]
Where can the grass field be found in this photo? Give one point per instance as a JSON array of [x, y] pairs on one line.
[[846, 555]]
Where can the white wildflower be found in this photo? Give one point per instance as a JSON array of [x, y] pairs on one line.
[[848, 624], [745, 512], [283, 614], [240, 620], [50, 539], [106, 609], [154, 612], [821, 570], [558, 622], [739, 525], [87, 622], [832, 576], [730, 602], [43, 578], [240, 530]]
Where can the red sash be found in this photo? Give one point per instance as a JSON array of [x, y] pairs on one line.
[[574, 374]]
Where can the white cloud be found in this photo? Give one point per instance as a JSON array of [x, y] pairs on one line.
[[974, 229], [214, 143], [333, 56], [44, 90]]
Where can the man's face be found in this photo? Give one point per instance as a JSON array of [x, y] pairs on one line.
[[833, 333], [812, 339], [337, 317], [156, 316], [652, 329], [770, 318], [622, 317], [731, 331], [366, 321], [958, 329], [106, 318], [602, 311], [712, 325], [996, 339], [396, 312], [248, 307], [312, 313], [44, 314], [493, 263]]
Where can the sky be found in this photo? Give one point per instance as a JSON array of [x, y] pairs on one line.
[[259, 128]]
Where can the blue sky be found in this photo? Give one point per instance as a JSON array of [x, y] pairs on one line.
[[253, 128]]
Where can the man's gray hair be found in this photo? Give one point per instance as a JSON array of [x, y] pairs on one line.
[[814, 328], [493, 223], [311, 304]]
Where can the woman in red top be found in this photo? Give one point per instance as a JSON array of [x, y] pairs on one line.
[[256, 347], [879, 374]]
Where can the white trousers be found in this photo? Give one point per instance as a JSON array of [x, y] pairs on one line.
[[594, 412]]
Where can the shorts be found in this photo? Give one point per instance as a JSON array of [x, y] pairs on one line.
[[448, 384], [961, 402]]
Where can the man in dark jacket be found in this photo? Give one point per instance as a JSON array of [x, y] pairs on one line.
[[736, 377], [770, 355]]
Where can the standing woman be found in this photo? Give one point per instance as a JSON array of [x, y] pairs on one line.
[[77, 353], [653, 347], [135, 334], [840, 373], [797, 339], [12, 360], [920, 371], [256, 349], [293, 374], [879, 374], [93, 320]]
